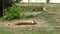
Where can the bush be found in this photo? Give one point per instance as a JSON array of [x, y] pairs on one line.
[[12, 13]]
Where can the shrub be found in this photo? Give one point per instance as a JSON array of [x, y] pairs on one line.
[[12, 13]]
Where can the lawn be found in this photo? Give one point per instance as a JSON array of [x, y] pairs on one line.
[[48, 22]]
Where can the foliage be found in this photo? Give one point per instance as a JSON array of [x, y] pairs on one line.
[[12, 13], [7, 3]]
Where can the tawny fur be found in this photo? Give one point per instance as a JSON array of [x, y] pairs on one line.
[[38, 8]]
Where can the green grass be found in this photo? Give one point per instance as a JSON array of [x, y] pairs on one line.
[[49, 8], [35, 30], [27, 30], [49, 18], [27, 8], [52, 8], [52, 32], [5, 31]]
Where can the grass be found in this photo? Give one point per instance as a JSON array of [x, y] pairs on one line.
[[28, 30], [35, 30], [51, 32], [5, 31], [29, 16], [49, 8], [48, 18], [56, 31], [52, 9], [27, 8]]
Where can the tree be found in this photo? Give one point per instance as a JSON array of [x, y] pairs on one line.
[[7, 3], [18, 1], [28, 2], [1, 8], [47, 1]]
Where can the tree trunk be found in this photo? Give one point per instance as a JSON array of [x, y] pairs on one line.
[[1, 8], [28, 2], [18, 1], [47, 1]]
